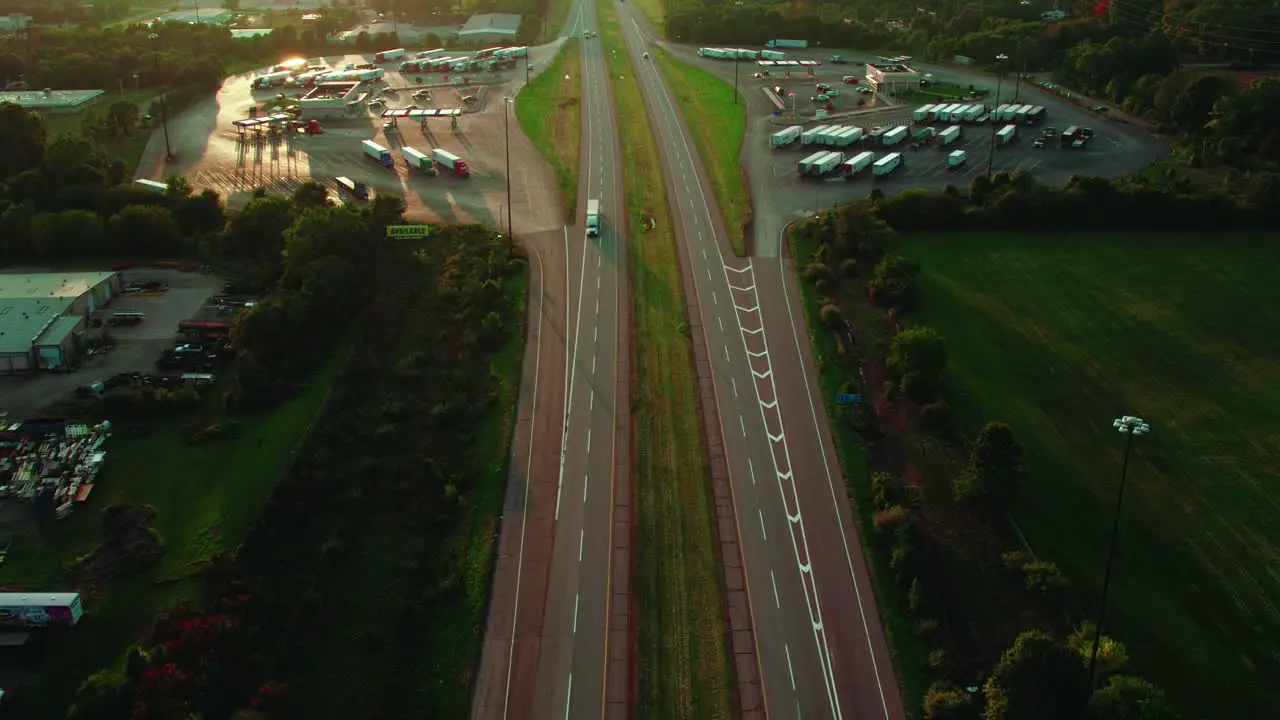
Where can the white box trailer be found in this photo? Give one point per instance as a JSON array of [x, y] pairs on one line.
[[973, 112], [419, 160], [956, 159], [846, 137], [949, 135], [811, 136], [828, 162], [894, 136], [366, 75], [856, 134], [942, 112], [772, 55], [886, 164], [922, 113], [958, 114], [857, 163], [1006, 133], [785, 136], [271, 79], [805, 166], [831, 134], [1000, 113], [1020, 115]]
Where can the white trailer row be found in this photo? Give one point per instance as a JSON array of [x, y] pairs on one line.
[[767, 64], [826, 162], [733, 53], [1023, 114], [830, 135], [949, 113]]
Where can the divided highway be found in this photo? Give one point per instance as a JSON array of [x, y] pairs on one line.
[[821, 649], [557, 639]]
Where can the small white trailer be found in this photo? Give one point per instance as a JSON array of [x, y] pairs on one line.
[[828, 162], [811, 136], [857, 163], [886, 164], [805, 166], [957, 114], [1000, 114], [846, 136], [1006, 133], [955, 159], [973, 112], [772, 55], [785, 136], [830, 135], [949, 135], [922, 113], [894, 136]]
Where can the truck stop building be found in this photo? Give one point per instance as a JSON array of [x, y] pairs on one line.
[[42, 316], [892, 77], [330, 100], [53, 102], [491, 29]]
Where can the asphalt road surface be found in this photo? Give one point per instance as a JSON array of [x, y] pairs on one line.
[[821, 649], [569, 602]]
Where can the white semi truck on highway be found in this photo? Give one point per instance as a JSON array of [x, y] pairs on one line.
[[593, 217], [794, 44]]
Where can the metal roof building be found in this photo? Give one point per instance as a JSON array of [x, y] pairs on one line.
[[490, 28], [42, 314]]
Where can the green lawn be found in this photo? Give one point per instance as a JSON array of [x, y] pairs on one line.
[[717, 116], [550, 111], [654, 10], [684, 668], [837, 375], [1058, 336], [205, 497]]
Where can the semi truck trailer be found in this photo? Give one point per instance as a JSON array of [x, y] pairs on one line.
[[812, 135], [805, 166], [1006, 133], [593, 217], [389, 55], [454, 164], [825, 164], [772, 55], [894, 136], [793, 44], [949, 135], [419, 160], [377, 152], [955, 159], [857, 163], [922, 113], [785, 136], [886, 164]]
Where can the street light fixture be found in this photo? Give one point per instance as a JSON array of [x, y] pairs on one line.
[[1128, 426], [991, 149], [164, 113], [506, 130]]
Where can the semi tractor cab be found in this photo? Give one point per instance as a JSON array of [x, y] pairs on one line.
[[593, 218]]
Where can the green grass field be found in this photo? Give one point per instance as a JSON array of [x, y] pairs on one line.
[[550, 111], [654, 10], [205, 498], [683, 658], [1058, 336], [718, 124]]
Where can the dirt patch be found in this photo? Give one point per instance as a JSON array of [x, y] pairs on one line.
[[128, 544]]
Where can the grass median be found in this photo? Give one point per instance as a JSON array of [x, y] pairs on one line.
[[550, 110], [684, 667], [718, 125]]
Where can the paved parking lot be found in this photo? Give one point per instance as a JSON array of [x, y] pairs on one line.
[[136, 348], [208, 154]]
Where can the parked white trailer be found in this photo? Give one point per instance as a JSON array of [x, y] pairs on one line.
[[366, 75], [856, 134], [973, 112], [942, 113], [419, 160], [958, 113], [811, 136], [886, 164], [831, 135], [950, 135], [923, 113], [998, 115], [846, 136], [271, 79], [772, 55], [785, 136], [956, 159], [1020, 115], [805, 166], [857, 163], [428, 54], [894, 136], [389, 55], [1006, 133], [828, 162]]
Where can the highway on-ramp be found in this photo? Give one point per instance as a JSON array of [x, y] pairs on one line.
[[557, 641], [821, 648]]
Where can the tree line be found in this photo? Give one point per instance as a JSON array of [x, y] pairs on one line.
[[1032, 661]]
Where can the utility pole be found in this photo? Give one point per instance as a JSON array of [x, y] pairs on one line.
[[1018, 85], [735, 77], [506, 119], [164, 112], [991, 149]]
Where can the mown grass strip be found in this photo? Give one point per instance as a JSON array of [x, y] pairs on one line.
[[836, 375], [684, 668], [655, 11], [718, 125], [550, 110]]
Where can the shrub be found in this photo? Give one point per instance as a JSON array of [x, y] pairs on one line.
[[887, 489], [939, 661], [890, 518], [832, 317], [944, 702], [849, 268], [927, 628], [936, 419], [915, 597], [1045, 580], [815, 271]]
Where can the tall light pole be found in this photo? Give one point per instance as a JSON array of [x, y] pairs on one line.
[[991, 150], [506, 120], [1017, 86], [735, 77], [1129, 426], [164, 113]]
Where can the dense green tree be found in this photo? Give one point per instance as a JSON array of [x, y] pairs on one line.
[[918, 357], [22, 139], [994, 471], [146, 230], [1130, 698], [1038, 678]]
